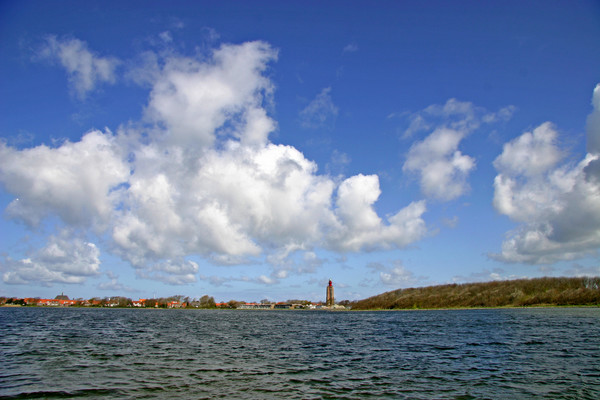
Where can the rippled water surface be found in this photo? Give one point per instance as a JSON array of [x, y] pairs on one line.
[[209, 354]]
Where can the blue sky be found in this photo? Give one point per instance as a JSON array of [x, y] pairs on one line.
[[252, 150]]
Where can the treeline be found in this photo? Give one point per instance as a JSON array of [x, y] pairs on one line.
[[12, 301], [205, 301], [177, 301], [514, 293]]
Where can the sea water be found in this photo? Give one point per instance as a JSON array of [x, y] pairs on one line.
[[551, 353]]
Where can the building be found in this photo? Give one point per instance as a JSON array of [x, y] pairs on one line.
[[329, 298], [139, 303], [255, 306]]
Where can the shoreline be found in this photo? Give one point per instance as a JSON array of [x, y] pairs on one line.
[[308, 310]]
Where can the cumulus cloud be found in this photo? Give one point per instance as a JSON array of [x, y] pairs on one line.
[[75, 181], [442, 168], [532, 153], [395, 275], [63, 260], [592, 170], [199, 176], [593, 124], [193, 99], [171, 271], [320, 112], [84, 68], [557, 205], [360, 227], [302, 262]]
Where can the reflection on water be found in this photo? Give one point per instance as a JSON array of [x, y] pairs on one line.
[[206, 354]]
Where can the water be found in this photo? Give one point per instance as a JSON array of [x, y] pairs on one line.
[[210, 354]]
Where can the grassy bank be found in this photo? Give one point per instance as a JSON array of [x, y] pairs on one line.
[[514, 293]]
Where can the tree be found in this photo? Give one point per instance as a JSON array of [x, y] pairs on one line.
[[211, 302], [125, 302], [162, 302], [151, 303], [207, 301], [234, 303], [20, 302], [178, 297]]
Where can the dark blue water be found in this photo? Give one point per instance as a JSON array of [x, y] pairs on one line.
[[197, 354]]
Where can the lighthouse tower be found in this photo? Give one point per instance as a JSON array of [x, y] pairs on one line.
[[329, 299]]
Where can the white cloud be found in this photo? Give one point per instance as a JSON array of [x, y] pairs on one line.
[[320, 112], [592, 170], [593, 124], [360, 228], [302, 262], [442, 168], [63, 260], [396, 275], [172, 271], [85, 69], [240, 197], [532, 153], [234, 202], [310, 262], [559, 212], [75, 181], [558, 206], [265, 280], [203, 179], [193, 99], [417, 124]]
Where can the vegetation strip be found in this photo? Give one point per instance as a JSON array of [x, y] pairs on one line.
[[514, 293]]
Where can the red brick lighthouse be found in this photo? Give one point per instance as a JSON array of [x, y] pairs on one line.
[[329, 299]]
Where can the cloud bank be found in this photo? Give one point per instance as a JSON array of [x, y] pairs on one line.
[[197, 177], [557, 204], [63, 260]]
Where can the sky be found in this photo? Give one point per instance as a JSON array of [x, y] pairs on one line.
[[255, 150]]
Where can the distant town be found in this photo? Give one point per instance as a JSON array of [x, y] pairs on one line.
[[205, 302], [178, 301]]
